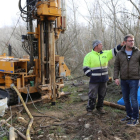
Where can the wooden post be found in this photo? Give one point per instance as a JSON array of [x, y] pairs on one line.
[[11, 133]]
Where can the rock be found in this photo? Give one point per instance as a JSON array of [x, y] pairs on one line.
[[64, 137], [42, 132], [38, 130], [87, 125], [80, 90], [61, 137], [40, 136], [87, 138], [99, 132], [100, 135], [84, 97], [80, 120], [116, 138], [51, 135]]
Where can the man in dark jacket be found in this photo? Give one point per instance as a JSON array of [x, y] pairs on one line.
[[127, 64]]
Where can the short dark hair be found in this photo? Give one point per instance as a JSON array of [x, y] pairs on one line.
[[127, 36]]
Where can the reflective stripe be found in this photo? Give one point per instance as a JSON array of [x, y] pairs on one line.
[[99, 74], [113, 51], [95, 68], [104, 73], [87, 71], [86, 67]]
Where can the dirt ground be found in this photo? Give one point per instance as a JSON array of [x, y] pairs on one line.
[[68, 119]]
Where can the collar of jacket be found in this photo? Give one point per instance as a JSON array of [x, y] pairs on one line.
[[97, 52], [133, 49]]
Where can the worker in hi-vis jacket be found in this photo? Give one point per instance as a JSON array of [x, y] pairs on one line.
[[95, 66]]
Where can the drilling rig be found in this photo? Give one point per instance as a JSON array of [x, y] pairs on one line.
[[43, 70]]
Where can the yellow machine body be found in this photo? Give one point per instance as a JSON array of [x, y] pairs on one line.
[[48, 10], [16, 71], [10, 67]]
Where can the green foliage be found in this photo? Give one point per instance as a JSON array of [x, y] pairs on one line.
[[60, 130], [39, 132], [119, 111], [126, 136], [66, 87], [5, 138]]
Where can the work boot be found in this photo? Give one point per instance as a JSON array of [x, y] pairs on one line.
[[101, 110], [91, 104]]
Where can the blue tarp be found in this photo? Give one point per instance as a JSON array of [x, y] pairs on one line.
[[121, 101]]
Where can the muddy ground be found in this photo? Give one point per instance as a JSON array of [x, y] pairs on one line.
[[67, 120]]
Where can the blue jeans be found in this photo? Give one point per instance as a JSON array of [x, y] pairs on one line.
[[129, 91]]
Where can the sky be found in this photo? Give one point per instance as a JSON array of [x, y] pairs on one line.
[[9, 13]]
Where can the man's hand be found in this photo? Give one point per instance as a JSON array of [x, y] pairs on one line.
[[123, 43], [117, 81]]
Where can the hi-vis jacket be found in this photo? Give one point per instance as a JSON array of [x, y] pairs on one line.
[[95, 64]]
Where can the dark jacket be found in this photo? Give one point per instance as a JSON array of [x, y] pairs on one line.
[[128, 69]]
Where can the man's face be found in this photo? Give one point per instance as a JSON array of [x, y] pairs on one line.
[[129, 42], [99, 46]]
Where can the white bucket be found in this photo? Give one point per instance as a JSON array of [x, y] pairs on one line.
[[3, 106]]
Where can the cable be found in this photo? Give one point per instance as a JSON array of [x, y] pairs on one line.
[[28, 13], [37, 109], [22, 9], [32, 101]]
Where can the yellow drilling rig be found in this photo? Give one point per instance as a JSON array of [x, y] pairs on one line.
[[43, 70]]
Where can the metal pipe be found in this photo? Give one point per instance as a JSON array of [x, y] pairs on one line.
[[52, 61], [27, 110], [42, 54], [9, 50], [39, 52], [47, 51], [30, 29]]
